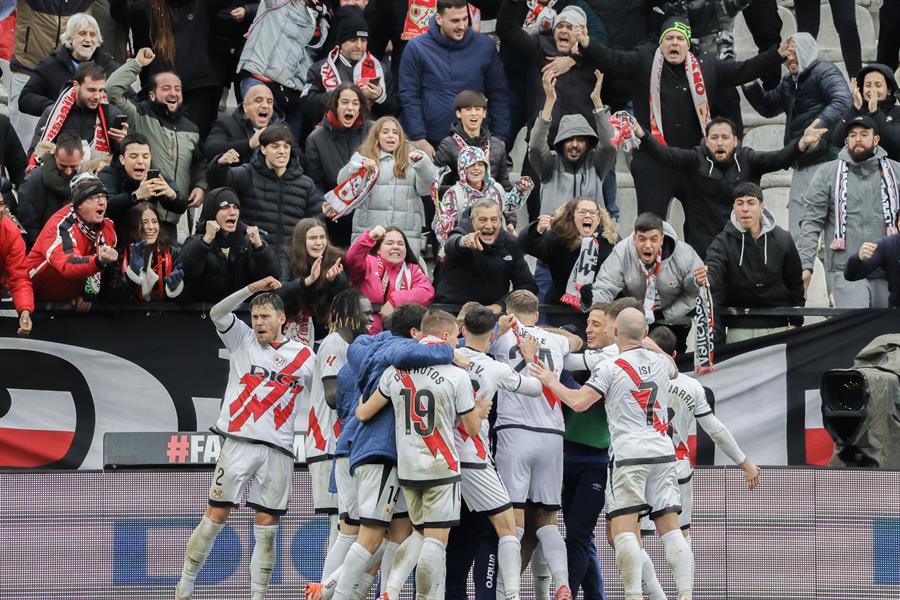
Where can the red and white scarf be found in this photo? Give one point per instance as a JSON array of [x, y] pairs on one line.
[[704, 324], [419, 12], [695, 82], [58, 115], [583, 272], [301, 328], [365, 70], [623, 125], [403, 280], [349, 193], [540, 17], [651, 293], [890, 203]]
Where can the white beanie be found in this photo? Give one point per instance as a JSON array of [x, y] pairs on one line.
[[572, 15]]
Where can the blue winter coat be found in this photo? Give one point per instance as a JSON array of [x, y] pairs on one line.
[[434, 69]]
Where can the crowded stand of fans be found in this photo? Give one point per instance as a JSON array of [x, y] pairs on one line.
[[368, 168]]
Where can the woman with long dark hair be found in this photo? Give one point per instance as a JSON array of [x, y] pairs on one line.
[[381, 265], [148, 269], [332, 143], [313, 275]]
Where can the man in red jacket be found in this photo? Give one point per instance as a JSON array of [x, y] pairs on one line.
[[13, 274], [77, 243]]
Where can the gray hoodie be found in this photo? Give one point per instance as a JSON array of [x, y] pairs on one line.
[[865, 217], [559, 182], [622, 272]]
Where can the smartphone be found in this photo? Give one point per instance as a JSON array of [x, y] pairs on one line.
[[153, 173], [119, 121], [375, 80]]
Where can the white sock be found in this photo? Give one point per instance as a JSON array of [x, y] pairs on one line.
[[554, 549], [510, 559], [330, 584], [262, 560], [540, 573], [687, 538], [198, 548], [520, 533], [336, 555], [405, 559], [628, 559], [431, 570], [648, 575], [355, 564], [681, 561], [387, 561], [333, 529], [363, 586]]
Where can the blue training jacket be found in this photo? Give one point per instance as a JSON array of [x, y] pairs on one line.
[[375, 441]]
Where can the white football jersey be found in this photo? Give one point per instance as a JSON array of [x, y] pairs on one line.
[[487, 376], [590, 358], [426, 403], [323, 426], [687, 402], [636, 388], [266, 387], [521, 411]]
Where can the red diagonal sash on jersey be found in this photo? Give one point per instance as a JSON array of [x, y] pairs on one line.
[[336, 428], [435, 442], [642, 396], [479, 444], [315, 430], [552, 399], [257, 408]]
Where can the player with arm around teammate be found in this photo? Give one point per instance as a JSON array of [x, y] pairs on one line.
[[268, 377], [642, 469], [687, 402], [426, 405]]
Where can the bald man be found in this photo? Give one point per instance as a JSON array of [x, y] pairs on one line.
[[642, 472], [240, 130]]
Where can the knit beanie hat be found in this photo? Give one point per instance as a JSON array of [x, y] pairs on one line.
[[573, 15], [85, 185], [673, 24], [351, 24]]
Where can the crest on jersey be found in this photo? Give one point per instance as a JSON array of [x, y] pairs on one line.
[[279, 360]]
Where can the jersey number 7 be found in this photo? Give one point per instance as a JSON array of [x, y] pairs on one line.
[[419, 409]]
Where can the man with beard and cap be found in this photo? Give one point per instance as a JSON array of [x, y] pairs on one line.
[[852, 200], [579, 159], [753, 263], [223, 255], [672, 87], [46, 188], [174, 139], [874, 93], [812, 90], [76, 245], [240, 130], [654, 266], [483, 262], [715, 167], [350, 60], [82, 111]]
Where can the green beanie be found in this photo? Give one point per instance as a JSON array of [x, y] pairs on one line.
[[673, 25]]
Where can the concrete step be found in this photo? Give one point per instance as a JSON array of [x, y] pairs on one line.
[[766, 137], [744, 47]]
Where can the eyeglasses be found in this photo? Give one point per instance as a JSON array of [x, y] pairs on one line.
[[584, 212]]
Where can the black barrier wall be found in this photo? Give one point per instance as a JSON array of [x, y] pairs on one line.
[[804, 533]]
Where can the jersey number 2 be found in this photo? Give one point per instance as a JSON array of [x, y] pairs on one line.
[[419, 411]]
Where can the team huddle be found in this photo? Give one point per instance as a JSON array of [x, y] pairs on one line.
[[398, 437]]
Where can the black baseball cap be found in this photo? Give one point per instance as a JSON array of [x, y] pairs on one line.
[[862, 121]]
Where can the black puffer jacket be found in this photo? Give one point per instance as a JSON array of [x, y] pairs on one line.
[[818, 92], [560, 259], [447, 153], [756, 273], [886, 116], [120, 189], [711, 183], [210, 274], [52, 75], [486, 276], [329, 148], [272, 203]]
